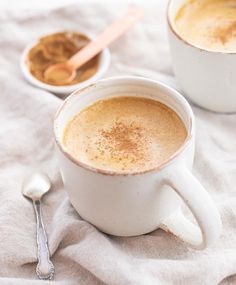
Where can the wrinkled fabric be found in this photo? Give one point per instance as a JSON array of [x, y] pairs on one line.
[[81, 254]]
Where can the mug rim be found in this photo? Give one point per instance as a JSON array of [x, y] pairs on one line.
[[158, 84], [177, 34]]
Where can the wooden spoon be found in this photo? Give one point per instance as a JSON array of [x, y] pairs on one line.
[[66, 72]]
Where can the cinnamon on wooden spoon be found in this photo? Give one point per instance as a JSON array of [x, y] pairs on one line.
[[66, 72]]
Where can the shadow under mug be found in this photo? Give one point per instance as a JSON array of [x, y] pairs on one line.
[[134, 204]]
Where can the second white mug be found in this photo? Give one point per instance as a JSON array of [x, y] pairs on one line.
[[207, 77]]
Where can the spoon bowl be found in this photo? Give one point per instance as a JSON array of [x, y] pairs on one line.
[[60, 73], [36, 185]]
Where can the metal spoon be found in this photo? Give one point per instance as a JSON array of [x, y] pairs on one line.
[[66, 72], [34, 187]]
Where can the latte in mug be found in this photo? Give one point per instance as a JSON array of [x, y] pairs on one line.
[[124, 134], [208, 24]]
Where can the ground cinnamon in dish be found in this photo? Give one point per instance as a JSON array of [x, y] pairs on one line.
[[58, 48]]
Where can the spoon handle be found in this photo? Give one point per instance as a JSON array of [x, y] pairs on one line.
[[114, 31], [45, 269]]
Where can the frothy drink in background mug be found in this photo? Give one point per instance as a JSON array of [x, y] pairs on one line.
[[202, 36], [124, 192], [208, 24]]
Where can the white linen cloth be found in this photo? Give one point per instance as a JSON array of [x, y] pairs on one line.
[[81, 254]]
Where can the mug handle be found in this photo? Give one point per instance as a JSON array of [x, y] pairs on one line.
[[202, 207]]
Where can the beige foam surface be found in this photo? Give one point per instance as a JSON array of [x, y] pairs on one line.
[[210, 24], [125, 134]]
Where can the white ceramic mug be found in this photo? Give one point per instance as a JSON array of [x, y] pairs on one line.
[[135, 204], [206, 77]]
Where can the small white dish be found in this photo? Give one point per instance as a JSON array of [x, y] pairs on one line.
[[104, 61]]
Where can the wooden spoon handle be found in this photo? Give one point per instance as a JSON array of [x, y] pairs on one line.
[[114, 31]]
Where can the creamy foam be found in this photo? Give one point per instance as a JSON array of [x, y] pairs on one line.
[[209, 24], [124, 134]]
